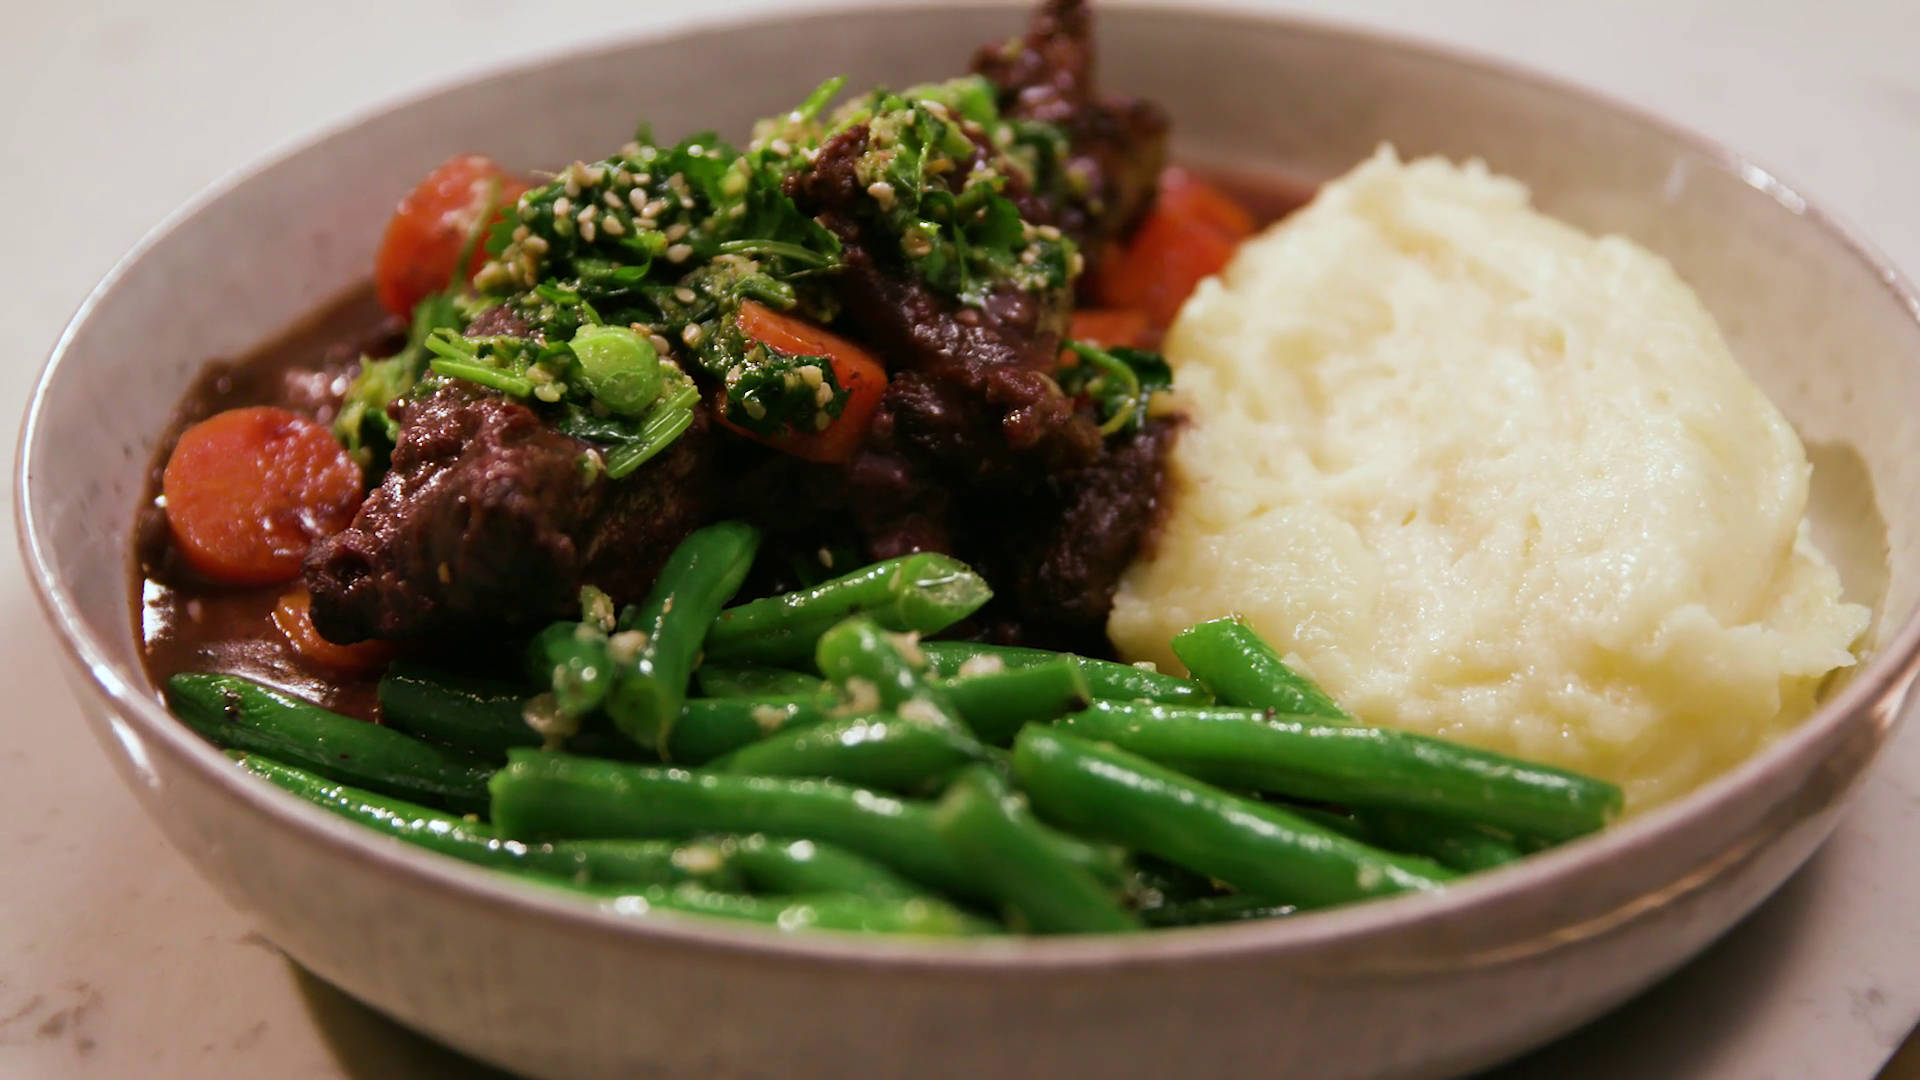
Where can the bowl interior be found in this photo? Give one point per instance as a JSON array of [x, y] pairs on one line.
[[1826, 332]]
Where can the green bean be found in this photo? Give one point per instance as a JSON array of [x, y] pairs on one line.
[[999, 704], [1105, 679], [713, 727], [1243, 669], [924, 593], [650, 676], [1155, 881], [573, 659], [636, 862], [1234, 907], [794, 867], [755, 681], [557, 796], [1255, 847], [480, 715], [858, 652], [1466, 848], [994, 705], [1313, 758], [1004, 846], [477, 714], [543, 795], [918, 915], [876, 750], [240, 714]]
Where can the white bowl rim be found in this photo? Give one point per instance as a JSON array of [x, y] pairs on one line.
[[1879, 680]]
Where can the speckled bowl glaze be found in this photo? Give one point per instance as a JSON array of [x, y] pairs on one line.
[[1423, 986]]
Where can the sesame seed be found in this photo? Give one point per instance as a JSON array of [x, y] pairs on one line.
[[548, 393], [691, 334], [655, 208], [810, 374], [677, 230], [612, 225], [882, 193], [781, 147], [587, 231], [645, 224], [612, 199], [622, 178], [821, 421], [1048, 232], [1079, 263], [769, 717], [984, 664], [638, 200], [756, 410], [643, 178], [685, 295], [678, 253], [921, 711], [862, 696], [597, 175], [625, 645], [660, 344], [573, 186], [586, 214], [822, 394], [825, 556], [521, 233], [562, 206], [536, 244]]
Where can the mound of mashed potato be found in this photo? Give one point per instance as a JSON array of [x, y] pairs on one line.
[[1487, 477]]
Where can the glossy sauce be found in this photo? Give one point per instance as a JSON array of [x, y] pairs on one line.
[[187, 623]]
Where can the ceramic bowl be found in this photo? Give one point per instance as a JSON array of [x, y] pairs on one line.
[[1422, 986]]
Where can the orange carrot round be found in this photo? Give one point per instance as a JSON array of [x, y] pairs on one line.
[[293, 615], [433, 225], [248, 491], [857, 372]]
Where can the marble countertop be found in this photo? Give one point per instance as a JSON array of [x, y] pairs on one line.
[[116, 960]]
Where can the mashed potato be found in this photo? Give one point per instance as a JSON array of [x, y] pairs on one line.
[[1487, 477]]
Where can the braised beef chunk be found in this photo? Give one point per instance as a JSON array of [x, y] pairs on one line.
[[1066, 576], [488, 517], [1117, 145], [968, 393]]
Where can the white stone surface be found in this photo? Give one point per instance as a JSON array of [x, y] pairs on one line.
[[115, 960]]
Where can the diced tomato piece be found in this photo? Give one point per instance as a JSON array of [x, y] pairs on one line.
[[857, 372], [1109, 327], [1189, 234], [293, 615], [249, 490], [433, 224]]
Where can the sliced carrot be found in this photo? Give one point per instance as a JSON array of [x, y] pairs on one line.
[[1190, 234], [857, 372], [1109, 326], [1189, 198], [249, 490], [433, 225], [294, 616]]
